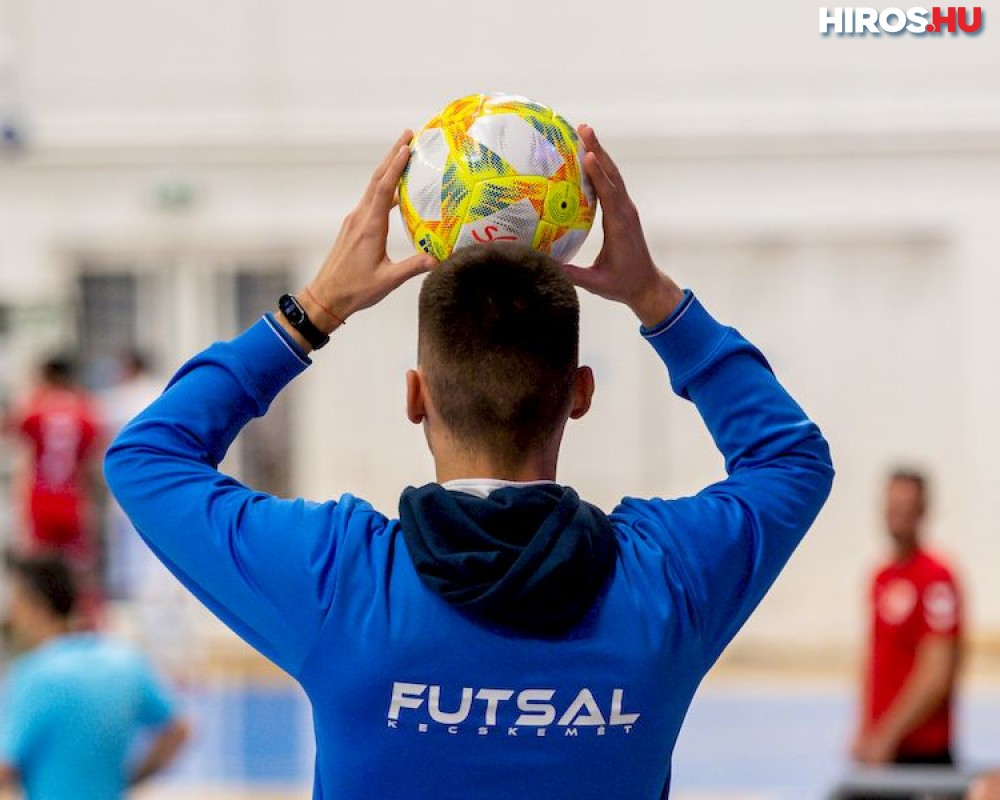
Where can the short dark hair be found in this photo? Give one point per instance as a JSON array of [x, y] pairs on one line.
[[499, 346], [910, 475], [49, 579], [135, 360], [58, 369]]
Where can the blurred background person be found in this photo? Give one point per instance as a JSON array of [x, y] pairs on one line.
[[59, 424], [136, 387], [75, 702], [159, 614], [915, 641], [127, 560]]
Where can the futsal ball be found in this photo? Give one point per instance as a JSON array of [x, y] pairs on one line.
[[497, 168]]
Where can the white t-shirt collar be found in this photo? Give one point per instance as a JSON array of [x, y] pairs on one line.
[[481, 487]]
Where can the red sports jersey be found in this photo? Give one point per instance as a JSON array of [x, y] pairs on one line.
[[910, 600], [61, 426]]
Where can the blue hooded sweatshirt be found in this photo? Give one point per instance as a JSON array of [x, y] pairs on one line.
[[518, 645]]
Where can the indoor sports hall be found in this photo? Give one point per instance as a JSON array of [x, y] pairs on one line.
[[169, 169]]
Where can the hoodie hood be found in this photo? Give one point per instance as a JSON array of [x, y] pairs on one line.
[[532, 559]]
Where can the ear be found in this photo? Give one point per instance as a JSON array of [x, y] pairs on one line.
[[416, 408], [583, 392]]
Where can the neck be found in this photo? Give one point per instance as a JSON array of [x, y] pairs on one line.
[[541, 467], [905, 551], [47, 631]]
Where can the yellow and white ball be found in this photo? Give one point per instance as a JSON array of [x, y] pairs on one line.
[[497, 167]]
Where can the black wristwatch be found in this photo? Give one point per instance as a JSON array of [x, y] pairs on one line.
[[296, 315]]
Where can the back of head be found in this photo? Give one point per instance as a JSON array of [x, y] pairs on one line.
[[499, 347], [48, 581], [57, 370]]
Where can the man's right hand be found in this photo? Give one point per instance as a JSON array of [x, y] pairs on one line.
[[358, 272], [624, 270]]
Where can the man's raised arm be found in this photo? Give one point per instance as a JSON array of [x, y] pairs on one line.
[[724, 547], [263, 565]]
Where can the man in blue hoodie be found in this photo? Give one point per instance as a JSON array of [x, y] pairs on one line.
[[502, 638]]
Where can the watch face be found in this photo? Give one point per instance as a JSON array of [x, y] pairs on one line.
[[293, 311]]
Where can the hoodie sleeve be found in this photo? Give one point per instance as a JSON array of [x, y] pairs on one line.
[[263, 565], [727, 545]]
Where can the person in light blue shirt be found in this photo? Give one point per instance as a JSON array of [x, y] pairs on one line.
[[74, 702], [501, 638]]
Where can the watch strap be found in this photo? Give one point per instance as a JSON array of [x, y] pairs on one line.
[[292, 310]]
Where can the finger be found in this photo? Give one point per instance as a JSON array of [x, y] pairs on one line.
[[585, 277], [404, 139], [411, 267], [607, 191], [593, 145], [385, 188]]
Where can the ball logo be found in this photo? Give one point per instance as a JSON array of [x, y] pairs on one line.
[[490, 232], [896, 601], [917, 20], [497, 167]]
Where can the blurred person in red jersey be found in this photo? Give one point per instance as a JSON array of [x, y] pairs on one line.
[[59, 424], [915, 646]]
